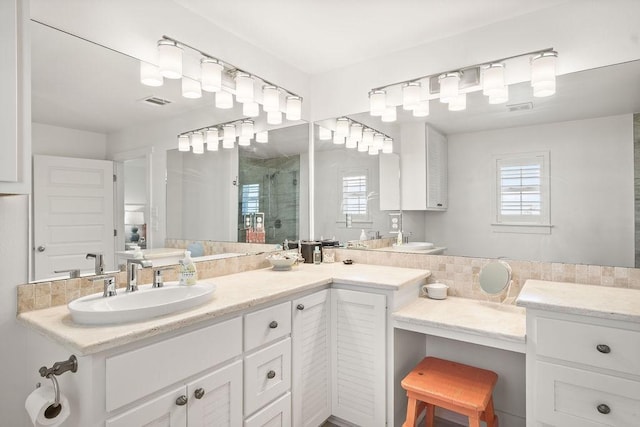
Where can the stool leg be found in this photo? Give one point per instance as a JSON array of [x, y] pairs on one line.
[[489, 414], [412, 413], [431, 410], [474, 421]]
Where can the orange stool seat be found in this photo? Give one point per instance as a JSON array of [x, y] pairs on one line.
[[459, 388]]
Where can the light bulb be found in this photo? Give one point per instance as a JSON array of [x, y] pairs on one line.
[[191, 88], [377, 102], [356, 131], [244, 87], [270, 98], [422, 109], [387, 146], [251, 109], [543, 73], [351, 142], [150, 75], [493, 79], [362, 147], [274, 117], [262, 137], [229, 134], [367, 137], [449, 86], [244, 141], [224, 100], [373, 151], [294, 107], [228, 144], [342, 127], [212, 139], [211, 74], [389, 114], [410, 95], [458, 103], [197, 142], [378, 141], [246, 128], [183, 143], [170, 59], [324, 134]]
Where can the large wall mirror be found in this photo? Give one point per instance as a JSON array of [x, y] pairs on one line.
[[88, 103], [587, 130]]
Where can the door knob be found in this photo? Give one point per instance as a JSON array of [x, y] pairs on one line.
[[182, 400], [273, 324], [271, 374], [300, 306], [40, 248], [199, 393]]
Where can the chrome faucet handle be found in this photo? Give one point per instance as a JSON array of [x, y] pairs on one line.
[[109, 283], [158, 280], [73, 273], [99, 262]]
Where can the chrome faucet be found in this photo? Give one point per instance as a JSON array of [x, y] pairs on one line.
[[99, 262], [109, 283], [132, 272]]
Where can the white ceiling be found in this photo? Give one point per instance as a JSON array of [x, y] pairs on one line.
[[320, 35]]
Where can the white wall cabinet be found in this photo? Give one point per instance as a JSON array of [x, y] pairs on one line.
[[423, 166], [389, 182], [358, 335], [311, 351], [15, 102]]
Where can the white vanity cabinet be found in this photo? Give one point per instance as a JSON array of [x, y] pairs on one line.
[[582, 370], [15, 103], [423, 165]]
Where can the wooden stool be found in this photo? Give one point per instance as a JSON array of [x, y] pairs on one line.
[[460, 388]]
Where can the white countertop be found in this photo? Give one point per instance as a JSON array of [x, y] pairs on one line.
[[436, 250], [598, 301], [234, 293], [481, 322]]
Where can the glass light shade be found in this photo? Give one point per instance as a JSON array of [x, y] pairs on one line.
[[422, 109], [211, 75], [274, 117], [294, 108], [342, 127], [356, 131], [244, 141], [389, 115], [543, 73], [448, 86], [500, 97], [197, 142], [251, 109], [493, 79], [244, 87], [338, 139], [170, 59], [324, 134], [367, 137], [191, 88], [378, 141], [351, 142], [212, 139], [373, 151], [183, 143], [377, 102], [224, 100], [150, 75], [410, 95], [387, 146], [459, 103], [229, 133], [262, 137], [246, 128], [362, 147], [270, 98], [228, 144]]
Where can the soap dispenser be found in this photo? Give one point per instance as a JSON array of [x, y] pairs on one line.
[[317, 255], [188, 273], [363, 235]]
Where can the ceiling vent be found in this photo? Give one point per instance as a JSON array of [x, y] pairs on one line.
[[520, 107], [152, 100]]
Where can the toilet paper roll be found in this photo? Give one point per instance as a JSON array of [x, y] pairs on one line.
[[41, 399]]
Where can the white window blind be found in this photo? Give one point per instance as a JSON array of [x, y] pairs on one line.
[[354, 195], [250, 198], [522, 189]]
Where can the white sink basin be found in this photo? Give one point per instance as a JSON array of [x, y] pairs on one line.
[[143, 304], [414, 246]]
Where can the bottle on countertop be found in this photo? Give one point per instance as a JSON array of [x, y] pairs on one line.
[[188, 273], [317, 255], [363, 235], [399, 238]]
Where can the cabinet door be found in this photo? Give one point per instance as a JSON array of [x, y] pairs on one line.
[[166, 410], [215, 400], [311, 345], [358, 335], [277, 414]]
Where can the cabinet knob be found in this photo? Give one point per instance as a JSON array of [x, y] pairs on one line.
[[182, 400], [603, 409], [300, 306], [603, 348], [199, 393], [40, 248], [273, 324], [271, 374]]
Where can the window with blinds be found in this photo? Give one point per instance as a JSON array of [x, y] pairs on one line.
[[354, 195], [522, 189], [250, 198]]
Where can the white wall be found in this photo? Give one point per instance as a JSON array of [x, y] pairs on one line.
[[591, 185], [66, 142]]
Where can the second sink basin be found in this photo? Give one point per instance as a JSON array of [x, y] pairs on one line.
[[144, 304]]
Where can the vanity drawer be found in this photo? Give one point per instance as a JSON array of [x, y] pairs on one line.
[[570, 397], [264, 326], [138, 373], [278, 414], [267, 374], [590, 344]]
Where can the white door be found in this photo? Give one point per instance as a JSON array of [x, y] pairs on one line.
[[311, 358], [358, 334], [215, 400], [73, 214]]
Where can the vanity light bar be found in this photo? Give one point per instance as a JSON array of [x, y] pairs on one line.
[[451, 86], [354, 134], [242, 129]]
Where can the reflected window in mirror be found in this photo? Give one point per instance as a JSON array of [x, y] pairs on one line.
[[354, 195]]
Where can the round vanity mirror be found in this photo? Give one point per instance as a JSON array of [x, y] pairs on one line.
[[495, 277]]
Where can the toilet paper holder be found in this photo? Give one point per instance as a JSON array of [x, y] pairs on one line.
[[58, 368]]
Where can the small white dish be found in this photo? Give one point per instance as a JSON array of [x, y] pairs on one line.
[[281, 263], [436, 290]]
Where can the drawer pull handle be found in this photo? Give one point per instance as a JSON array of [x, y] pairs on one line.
[[604, 409], [271, 374], [273, 324], [182, 400], [300, 307], [603, 348], [199, 393]]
